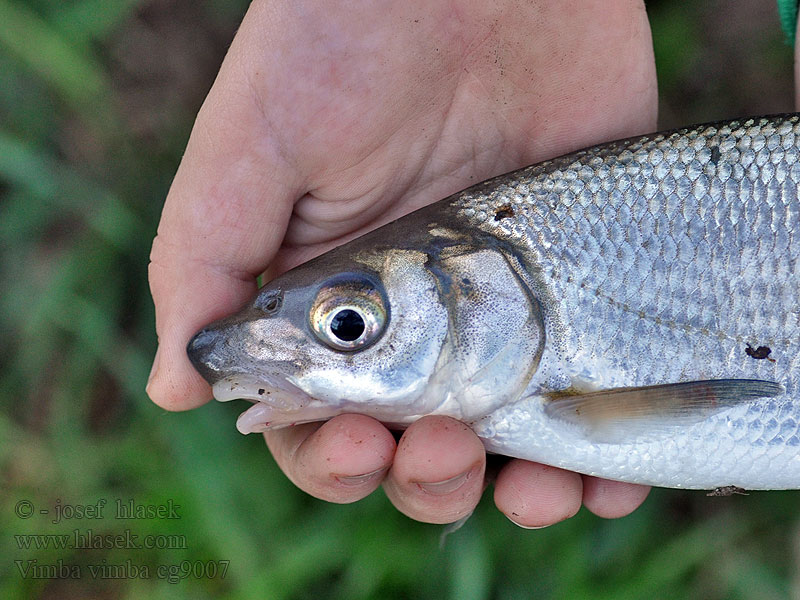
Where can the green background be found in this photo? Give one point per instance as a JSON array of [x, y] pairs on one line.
[[97, 98]]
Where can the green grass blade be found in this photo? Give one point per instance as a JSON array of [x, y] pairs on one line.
[[92, 19], [77, 77]]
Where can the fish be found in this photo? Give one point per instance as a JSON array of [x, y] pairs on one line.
[[629, 311]]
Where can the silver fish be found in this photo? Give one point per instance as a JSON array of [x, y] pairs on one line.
[[630, 311]]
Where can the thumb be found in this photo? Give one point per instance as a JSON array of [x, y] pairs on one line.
[[223, 221]]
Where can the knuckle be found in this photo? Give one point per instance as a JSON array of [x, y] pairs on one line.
[[422, 502]]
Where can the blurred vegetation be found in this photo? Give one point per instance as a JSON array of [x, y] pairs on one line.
[[97, 98]]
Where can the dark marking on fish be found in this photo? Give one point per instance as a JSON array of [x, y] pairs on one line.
[[466, 286], [439, 250], [759, 353], [715, 155], [443, 280], [504, 212], [261, 391], [727, 490]]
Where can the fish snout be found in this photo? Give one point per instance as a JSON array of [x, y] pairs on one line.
[[202, 351]]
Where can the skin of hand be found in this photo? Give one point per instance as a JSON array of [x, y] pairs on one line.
[[328, 119]]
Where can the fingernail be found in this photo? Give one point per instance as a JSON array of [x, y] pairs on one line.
[[448, 486], [353, 480], [153, 369], [526, 526]]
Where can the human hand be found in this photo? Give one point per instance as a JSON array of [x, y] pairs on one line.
[[328, 119]]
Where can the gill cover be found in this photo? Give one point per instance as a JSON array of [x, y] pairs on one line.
[[495, 335]]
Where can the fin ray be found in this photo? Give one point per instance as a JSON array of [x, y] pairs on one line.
[[624, 412]]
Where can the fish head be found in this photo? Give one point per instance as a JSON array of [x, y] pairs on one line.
[[407, 321]]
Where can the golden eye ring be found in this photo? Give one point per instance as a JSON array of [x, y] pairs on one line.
[[348, 316]]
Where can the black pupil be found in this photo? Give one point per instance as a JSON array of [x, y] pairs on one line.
[[347, 325]]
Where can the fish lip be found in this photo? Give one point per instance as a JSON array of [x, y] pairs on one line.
[[277, 403], [269, 389]]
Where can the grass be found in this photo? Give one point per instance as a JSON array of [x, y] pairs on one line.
[[83, 171]]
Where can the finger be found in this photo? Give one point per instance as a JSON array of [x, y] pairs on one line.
[[340, 461], [612, 499], [224, 219], [532, 495], [437, 475]]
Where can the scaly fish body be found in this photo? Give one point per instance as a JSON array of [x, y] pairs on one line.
[[630, 311]]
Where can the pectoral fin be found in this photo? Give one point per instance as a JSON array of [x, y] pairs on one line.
[[622, 413]]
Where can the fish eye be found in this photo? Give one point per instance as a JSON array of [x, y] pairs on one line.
[[348, 315]]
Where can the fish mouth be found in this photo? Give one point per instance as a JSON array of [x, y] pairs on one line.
[[276, 403]]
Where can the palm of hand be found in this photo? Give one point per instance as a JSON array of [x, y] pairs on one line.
[[326, 121]]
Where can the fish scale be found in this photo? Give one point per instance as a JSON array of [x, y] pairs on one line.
[[630, 311], [664, 265]]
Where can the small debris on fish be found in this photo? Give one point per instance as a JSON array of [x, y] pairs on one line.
[[728, 490]]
